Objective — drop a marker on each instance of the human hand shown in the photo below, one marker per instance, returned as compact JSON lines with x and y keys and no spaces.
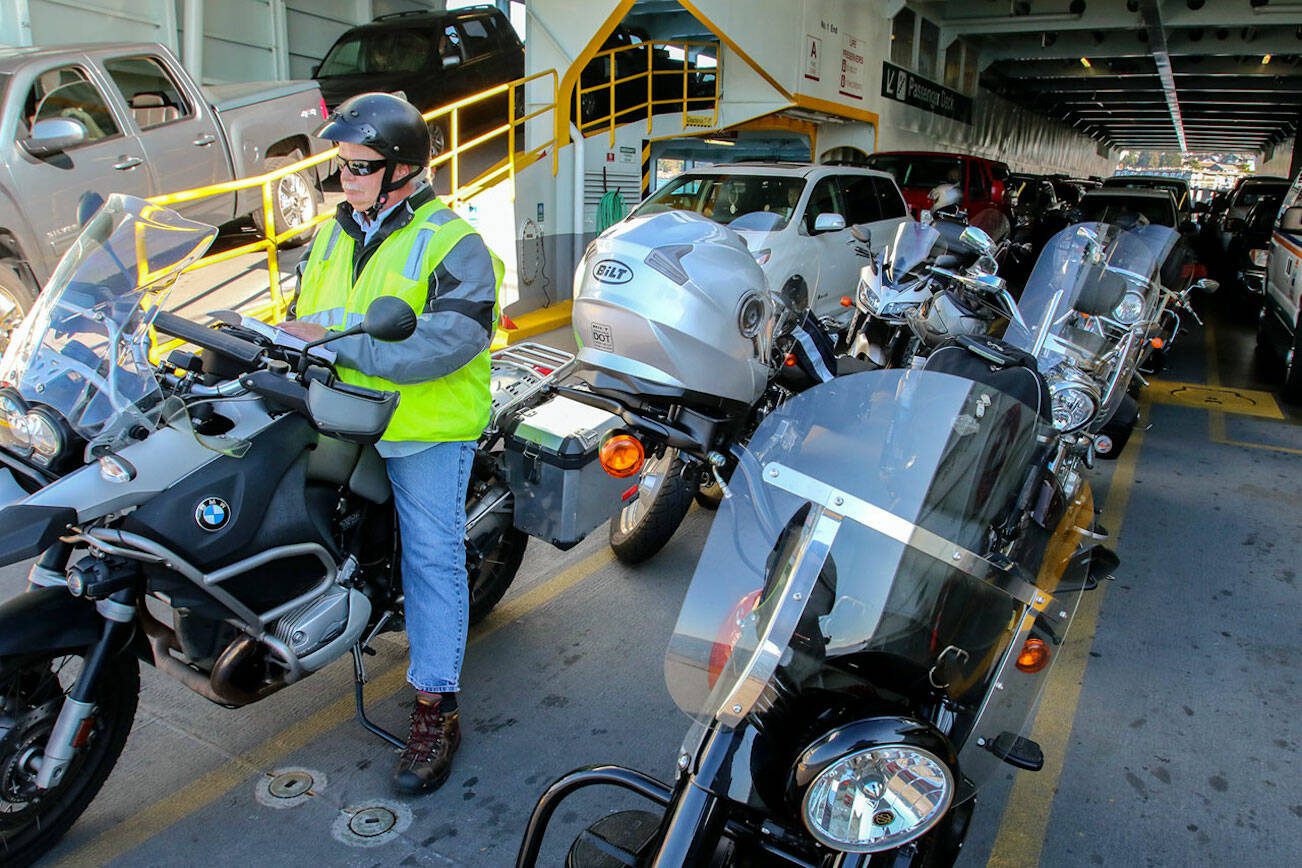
{"x":304,"y":331}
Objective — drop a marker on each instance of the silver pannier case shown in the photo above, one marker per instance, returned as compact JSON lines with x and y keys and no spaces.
{"x":561,"y":492}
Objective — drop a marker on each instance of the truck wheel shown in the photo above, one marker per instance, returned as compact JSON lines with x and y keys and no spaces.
{"x":643,"y":526}
{"x":293,"y":201}
{"x":1291,"y":391}
{"x":16,"y":300}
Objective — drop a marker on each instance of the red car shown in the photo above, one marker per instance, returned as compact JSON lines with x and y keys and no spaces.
{"x":981,"y":180}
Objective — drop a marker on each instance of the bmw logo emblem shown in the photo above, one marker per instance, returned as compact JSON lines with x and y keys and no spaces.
{"x":212,"y":514}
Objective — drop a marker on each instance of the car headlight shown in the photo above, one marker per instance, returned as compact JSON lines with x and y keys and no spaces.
{"x":1129,"y":309}
{"x":13,"y":424}
{"x":878,"y":799}
{"x":45,"y":437}
{"x":1259,"y":257}
{"x":1074,"y":405}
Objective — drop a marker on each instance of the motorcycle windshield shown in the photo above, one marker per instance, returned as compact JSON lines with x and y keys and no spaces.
{"x":910,"y":247}
{"x":1091,"y":284}
{"x":83,"y":350}
{"x":856,"y":526}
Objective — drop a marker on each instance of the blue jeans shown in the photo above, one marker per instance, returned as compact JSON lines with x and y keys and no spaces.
{"x":429,"y":491}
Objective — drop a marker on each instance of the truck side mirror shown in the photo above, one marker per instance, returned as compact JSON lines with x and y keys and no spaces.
{"x":54,"y":136}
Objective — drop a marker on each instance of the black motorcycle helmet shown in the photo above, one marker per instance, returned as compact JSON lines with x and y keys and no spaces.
{"x":388,"y":124}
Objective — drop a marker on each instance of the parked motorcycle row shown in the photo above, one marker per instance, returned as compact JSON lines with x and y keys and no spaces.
{"x":905,"y":522}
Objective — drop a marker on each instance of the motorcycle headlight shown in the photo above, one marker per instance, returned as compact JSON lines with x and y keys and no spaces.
{"x":46,"y":438}
{"x":867,"y":298}
{"x":878,"y":799}
{"x":13,"y":424}
{"x":1074,"y":406}
{"x":1129,"y":309}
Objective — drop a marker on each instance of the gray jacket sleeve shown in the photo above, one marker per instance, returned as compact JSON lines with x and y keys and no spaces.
{"x":456,"y":325}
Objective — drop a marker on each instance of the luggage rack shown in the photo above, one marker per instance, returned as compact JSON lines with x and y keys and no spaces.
{"x":520,"y":371}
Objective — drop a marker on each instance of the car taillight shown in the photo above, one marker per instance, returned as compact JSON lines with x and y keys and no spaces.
{"x":324,"y":113}
{"x":729,"y":633}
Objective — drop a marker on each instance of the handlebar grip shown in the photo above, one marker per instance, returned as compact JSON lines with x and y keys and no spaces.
{"x":240,"y":350}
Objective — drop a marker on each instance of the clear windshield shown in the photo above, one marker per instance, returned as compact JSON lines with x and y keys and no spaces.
{"x":851,"y":546}
{"x":911,"y":246}
{"x":1091,"y":283}
{"x":758,"y":203}
{"x":83,"y":350}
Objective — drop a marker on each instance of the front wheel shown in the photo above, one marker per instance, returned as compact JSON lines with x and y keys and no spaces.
{"x":32,"y":690}
{"x":644,"y":524}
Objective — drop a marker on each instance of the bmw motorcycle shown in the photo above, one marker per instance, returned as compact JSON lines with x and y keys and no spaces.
{"x":237,"y":489}
{"x":863,"y":642}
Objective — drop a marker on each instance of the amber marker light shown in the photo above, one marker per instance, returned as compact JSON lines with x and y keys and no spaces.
{"x":1157,"y":343}
{"x":1034,"y":656}
{"x":846,"y":301}
{"x":621,"y":456}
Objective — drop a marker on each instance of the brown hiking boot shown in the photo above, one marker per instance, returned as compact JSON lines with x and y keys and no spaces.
{"x":426,"y":762}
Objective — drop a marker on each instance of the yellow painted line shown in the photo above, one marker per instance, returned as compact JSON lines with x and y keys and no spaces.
{"x":1025,"y":822}
{"x":193,"y":797}
{"x":1216,"y":419}
{"x":534,"y":323}
{"x":1219,"y":399}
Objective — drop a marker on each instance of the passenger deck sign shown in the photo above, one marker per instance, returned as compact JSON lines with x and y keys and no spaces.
{"x":912,"y":89}
{"x":852,"y":83}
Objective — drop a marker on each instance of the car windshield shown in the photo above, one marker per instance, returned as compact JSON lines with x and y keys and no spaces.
{"x":757,"y":202}
{"x":83,"y":350}
{"x":1121,"y":209}
{"x":377,"y":51}
{"x":919,"y":171}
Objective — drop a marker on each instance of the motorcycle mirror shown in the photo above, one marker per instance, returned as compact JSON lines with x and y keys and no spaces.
{"x":862,"y":233}
{"x":389,"y":318}
{"x":976,"y":239}
{"x":1207,"y":285}
{"x":87,"y":206}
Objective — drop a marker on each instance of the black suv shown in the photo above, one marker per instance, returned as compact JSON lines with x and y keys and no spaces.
{"x":434,"y":58}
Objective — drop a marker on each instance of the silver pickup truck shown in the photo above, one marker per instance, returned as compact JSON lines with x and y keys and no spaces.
{"x":128,"y":118}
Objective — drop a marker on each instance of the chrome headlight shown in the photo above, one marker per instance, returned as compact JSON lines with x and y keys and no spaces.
{"x":13,"y":424}
{"x":878,"y":799}
{"x":1074,"y":405}
{"x":1129,"y":309}
{"x":46,"y":439}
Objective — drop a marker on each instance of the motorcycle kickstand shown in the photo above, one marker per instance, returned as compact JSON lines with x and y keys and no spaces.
{"x":359,"y":682}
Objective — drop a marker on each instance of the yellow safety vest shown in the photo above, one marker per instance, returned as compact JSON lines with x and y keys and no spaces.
{"x":454,"y":407}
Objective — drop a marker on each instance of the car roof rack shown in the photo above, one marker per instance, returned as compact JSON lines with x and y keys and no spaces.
{"x":388,"y":16}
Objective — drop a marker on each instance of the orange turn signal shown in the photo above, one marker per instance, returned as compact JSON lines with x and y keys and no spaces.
{"x":1157,"y":343}
{"x":1034,"y":656}
{"x":846,"y":301}
{"x":790,"y":360}
{"x":622,"y":456}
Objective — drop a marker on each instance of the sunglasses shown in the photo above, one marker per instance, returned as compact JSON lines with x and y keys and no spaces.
{"x":360,"y":167}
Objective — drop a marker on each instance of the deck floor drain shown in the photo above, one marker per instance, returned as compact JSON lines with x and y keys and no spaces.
{"x":288,"y":788}
{"x":371,"y":824}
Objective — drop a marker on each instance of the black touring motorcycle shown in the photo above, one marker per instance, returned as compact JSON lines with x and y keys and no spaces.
{"x":867,"y":631}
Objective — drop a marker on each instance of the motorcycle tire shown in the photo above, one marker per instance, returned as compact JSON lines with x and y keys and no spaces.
{"x":642,"y":526}
{"x":494,"y":572}
{"x":35,"y":684}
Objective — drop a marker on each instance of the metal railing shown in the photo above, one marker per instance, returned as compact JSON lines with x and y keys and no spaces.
{"x":685,"y":96}
{"x":275,"y":309}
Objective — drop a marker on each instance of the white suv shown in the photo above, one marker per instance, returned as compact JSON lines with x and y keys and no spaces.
{"x":1280,"y":327}
{"x":796,"y":219}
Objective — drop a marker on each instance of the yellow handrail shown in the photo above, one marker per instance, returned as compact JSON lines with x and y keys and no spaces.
{"x":608,"y":120}
{"x":276,"y":309}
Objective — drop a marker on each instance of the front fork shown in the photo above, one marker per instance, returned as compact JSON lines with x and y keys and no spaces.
{"x":72,"y":727}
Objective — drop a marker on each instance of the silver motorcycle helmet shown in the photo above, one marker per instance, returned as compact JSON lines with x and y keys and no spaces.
{"x":674,"y":302}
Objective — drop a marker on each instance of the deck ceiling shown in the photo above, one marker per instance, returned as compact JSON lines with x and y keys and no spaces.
{"x":1183,"y":75}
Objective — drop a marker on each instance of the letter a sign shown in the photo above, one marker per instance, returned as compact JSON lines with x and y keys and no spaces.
{"x":813,"y":57}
